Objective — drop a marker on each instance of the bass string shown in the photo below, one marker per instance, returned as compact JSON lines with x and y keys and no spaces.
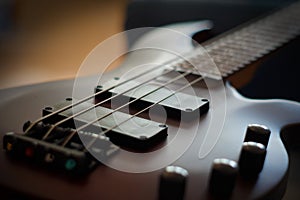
{"x":123,"y":106}
{"x":89,"y":145}
{"x":85,"y":99}
{"x":284,"y":11}
{"x":140,"y":111}
{"x":98,"y":104}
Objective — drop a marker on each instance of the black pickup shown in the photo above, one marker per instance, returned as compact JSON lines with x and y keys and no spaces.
{"x":136,"y":133}
{"x":180,"y":106}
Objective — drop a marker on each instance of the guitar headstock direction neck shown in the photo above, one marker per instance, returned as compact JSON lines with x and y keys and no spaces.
{"x":236,"y":49}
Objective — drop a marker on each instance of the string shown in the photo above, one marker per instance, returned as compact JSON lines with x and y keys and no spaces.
{"x":110,"y":113}
{"x":284,"y":11}
{"x":98,"y":93}
{"x":124,"y":105}
{"x":143,"y":110}
{"x":98,"y":104}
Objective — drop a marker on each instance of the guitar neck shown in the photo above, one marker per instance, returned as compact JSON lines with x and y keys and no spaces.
{"x":237,"y":48}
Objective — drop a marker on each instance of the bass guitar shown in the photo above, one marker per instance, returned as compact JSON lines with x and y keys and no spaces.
{"x":166,"y":124}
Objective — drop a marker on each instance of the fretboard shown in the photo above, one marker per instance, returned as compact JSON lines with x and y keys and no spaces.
{"x":238,"y":48}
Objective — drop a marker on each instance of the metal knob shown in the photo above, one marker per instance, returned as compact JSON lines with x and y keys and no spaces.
{"x":258,"y":133}
{"x":252,"y":159}
{"x":172,"y":183}
{"x":223,"y":177}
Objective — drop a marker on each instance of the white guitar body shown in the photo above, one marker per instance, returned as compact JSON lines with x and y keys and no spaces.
{"x":218,"y":134}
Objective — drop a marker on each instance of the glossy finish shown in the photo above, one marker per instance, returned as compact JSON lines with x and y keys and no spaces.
{"x":258,"y":133}
{"x":232,"y":115}
{"x":223,"y":177}
{"x":252,"y":159}
{"x":172,"y":183}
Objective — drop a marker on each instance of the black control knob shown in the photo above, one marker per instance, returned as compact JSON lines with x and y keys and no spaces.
{"x":258,"y":133}
{"x":252,"y":159}
{"x":172,"y":183}
{"x":223,"y":177}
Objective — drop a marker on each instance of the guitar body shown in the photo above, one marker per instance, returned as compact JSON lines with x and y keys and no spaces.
{"x":218,"y":134}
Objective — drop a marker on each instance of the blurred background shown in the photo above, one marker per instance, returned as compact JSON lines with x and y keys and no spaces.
{"x":46,"y":40}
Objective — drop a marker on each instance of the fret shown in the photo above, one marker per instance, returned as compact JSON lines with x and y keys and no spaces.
{"x":248,"y":41}
{"x":205,"y":68}
{"x":225,"y":64}
{"x":280,"y":29}
{"x":228,"y":66}
{"x":246,"y":45}
{"x":259,"y":38}
{"x":240,"y":50}
{"x":235,"y":50}
{"x":229,"y":59}
{"x":202,"y":62}
{"x":222,"y":65}
{"x":224,"y":69}
{"x":243,"y":49}
{"x":260,"y":48}
{"x":250,"y":45}
{"x":283,"y":26}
